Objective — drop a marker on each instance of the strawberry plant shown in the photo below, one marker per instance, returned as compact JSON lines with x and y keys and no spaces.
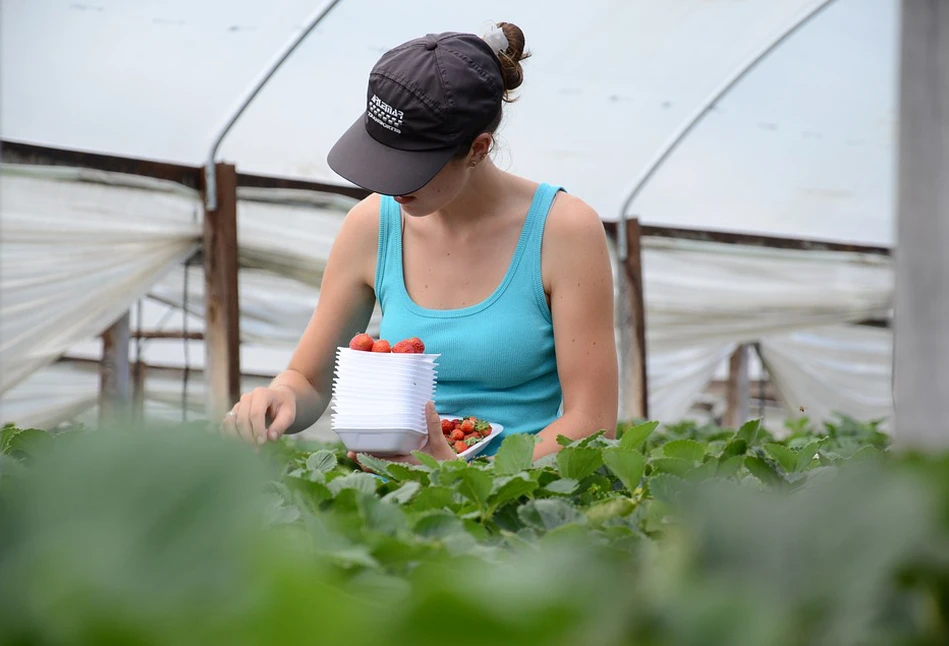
{"x":675,"y":534}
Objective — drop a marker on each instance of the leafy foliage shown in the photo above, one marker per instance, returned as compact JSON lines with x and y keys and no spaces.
{"x":665,"y":535}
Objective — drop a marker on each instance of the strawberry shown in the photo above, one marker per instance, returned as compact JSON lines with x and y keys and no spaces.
{"x":403,"y":347}
{"x":456,"y":435}
{"x":467,"y":426}
{"x":447,"y":426}
{"x":362,"y":342}
{"x":381,"y":346}
{"x":460,"y":447}
{"x":417,"y":344}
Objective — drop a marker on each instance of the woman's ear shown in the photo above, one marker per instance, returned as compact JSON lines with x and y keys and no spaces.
{"x":481,"y":146}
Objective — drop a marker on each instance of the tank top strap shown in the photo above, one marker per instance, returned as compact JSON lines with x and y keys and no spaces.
{"x":536,"y":221}
{"x":388,"y":256}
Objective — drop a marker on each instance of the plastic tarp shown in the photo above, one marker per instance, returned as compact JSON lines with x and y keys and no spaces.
{"x":77,"y":248}
{"x":703,"y":299}
{"x":801,"y":146}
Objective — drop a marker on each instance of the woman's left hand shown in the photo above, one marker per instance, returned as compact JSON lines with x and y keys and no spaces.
{"x":437,"y":445}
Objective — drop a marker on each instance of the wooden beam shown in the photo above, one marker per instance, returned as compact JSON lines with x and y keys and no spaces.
{"x":168,"y":334}
{"x":222,"y":311}
{"x":753,"y":240}
{"x":631,"y":323}
{"x":736,"y":392}
{"x":921,"y":344}
{"x":17,"y":152}
{"x":114,"y":392}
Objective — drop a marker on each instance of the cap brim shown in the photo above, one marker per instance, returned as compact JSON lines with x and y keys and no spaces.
{"x":382,"y":169}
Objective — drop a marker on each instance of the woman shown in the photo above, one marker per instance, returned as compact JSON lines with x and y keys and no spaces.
{"x":509,"y":280}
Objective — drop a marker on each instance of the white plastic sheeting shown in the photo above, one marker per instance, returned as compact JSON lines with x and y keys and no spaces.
{"x":834,"y":369}
{"x":703,"y":299}
{"x":75,"y":254}
{"x":802,"y":146}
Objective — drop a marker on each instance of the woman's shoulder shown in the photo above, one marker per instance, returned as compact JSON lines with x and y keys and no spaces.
{"x":570,"y":216}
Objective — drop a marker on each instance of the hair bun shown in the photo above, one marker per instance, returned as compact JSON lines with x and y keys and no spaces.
{"x":511,"y":58}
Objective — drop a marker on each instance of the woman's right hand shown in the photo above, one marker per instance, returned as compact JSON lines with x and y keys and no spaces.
{"x":262,"y":414}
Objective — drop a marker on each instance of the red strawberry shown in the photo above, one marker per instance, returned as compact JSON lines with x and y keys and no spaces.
{"x":404,"y":347}
{"x":447,"y":426}
{"x":362,"y":342}
{"x":456,"y":435}
{"x":467,"y":426}
{"x":417,"y":344}
{"x":381,"y":346}
{"x":461,"y":447}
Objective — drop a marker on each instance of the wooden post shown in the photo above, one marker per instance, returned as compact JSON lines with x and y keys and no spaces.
{"x":222,"y":312}
{"x":139,"y":372}
{"x":114,"y":392}
{"x":736,"y":394}
{"x":631,"y":321}
{"x":921,"y":345}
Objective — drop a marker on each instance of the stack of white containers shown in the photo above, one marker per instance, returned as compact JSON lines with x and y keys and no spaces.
{"x":379,"y":400}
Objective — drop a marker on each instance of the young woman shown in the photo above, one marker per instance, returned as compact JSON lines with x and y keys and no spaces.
{"x":508,"y":279}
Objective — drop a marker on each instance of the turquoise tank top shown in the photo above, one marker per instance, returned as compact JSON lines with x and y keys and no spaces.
{"x":497,"y":357}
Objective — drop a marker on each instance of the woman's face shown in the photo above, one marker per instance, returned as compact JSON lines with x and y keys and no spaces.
{"x":448,"y":184}
{"x":440,"y":191}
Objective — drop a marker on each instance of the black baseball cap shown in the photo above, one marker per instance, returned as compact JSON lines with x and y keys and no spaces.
{"x":426,"y":98}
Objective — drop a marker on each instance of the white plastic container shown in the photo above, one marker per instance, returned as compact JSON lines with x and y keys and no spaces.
{"x":382,"y":441}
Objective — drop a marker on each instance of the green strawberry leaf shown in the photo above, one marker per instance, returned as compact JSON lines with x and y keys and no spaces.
{"x":426,"y":460}
{"x":322,"y":461}
{"x":363,"y":482}
{"x":578,"y":463}
{"x":784,"y":456}
{"x":403,"y":494}
{"x":548,"y":513}
{"x":634,"y":437}
{"x":627,"y":465}
{"x":563,"y":486}
{"x":515,"y":454}
{"x":685,"y":449}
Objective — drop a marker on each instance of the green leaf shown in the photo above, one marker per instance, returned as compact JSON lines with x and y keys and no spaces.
{"x":634,"y":437}
{"x":381,"y":517}
{"x":403,"y":494}
{"x":563,"y":440}
{"x":25,"y":442}
{"x":439,"y":525}
{"x":548,"y":513}
{"x":511,"y":487}
{"x":362,"y":482}
{"x":426,"y":459}
{"x":627,"y":465}
{"x":704,"y":471}
{"x":665,"y":487}
{"x":578,"y":463}
{"x":433,"y":498}
{"x":474,"y":484}
{"x":783,"y":455}
{"x":729,"y":467}
{"x":615,"y":508}
{"x":736,"y":447}
{"x":377,"y":465}
{"x":515,"y":454}
{"x":322,"y":461}
{"x":762,"y":470}
{"x":563,"y":486}
{"x":689,"y":450}
{"x":403,"y":472}
{"x":749,"y":431}
{"x":675,"y":466}
{"x":806,"y":455}
{"x":591,"y":441}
